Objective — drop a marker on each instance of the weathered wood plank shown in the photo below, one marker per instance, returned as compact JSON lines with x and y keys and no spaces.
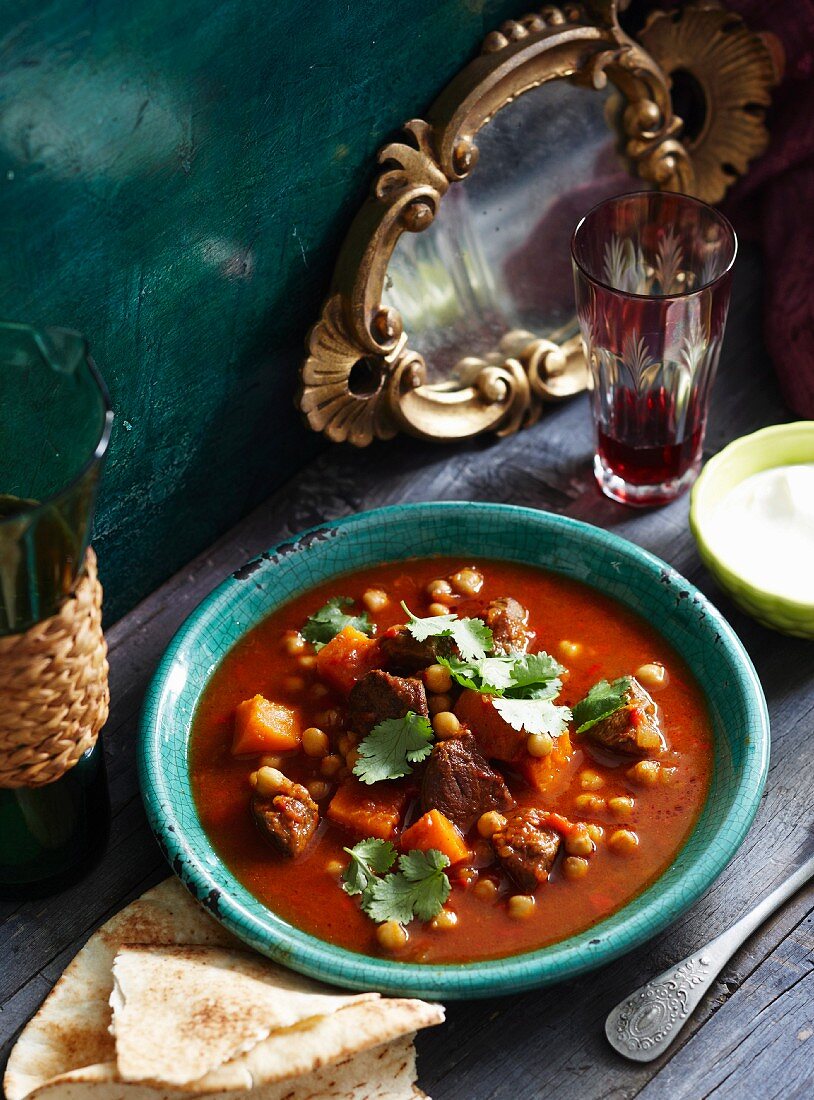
{"x":549,"y":1042}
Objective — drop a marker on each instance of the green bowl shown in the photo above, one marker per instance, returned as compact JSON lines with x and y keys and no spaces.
{"x":780,"y":445}
{"x":588,"y":554}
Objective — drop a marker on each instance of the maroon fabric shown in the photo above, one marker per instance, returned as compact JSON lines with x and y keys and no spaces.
{"x":774,"y":202}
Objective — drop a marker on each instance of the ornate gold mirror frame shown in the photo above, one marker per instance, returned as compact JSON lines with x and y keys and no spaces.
{"x":361,"y":381}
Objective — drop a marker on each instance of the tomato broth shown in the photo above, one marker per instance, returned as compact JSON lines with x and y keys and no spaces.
{"x":592,"y":635}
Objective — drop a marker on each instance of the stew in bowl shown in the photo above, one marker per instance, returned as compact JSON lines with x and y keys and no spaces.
{"x":454,"y":773}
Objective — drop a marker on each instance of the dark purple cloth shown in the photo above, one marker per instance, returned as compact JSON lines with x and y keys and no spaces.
{"x":774,"y":202}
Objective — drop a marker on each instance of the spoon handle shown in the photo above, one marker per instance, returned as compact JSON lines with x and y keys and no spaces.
{"x":643,"y":1025}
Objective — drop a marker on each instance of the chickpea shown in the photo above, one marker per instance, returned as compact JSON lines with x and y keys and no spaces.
{"x":351,"y":758}
{"x":652,"y":676}
{"x":595,"y":832}
{"x":446,"y":725}
{"x":437,"y":703}
{"x":335,"y":868}
{"x":391,"y":936}
{"x":490,"y":823}
{"x":309,"y":662}
{"x":318,"y":789}
{"x":667,"y":775}
{"x":268,"y":761}
{"x":314,"y":741}
{"x":293,"y":684}
{"x":467,"y":581}
{"x":591,"y":803}
{"x":439,"y":590}
{"x":437,"y":679}
{"x":590,"y":781}
{"x":444,"y":920}
{"x":521,"y":906}
{"x":344,"y":744}
{"x":649,"y":739}
{"x":578,"y":842}
{"x":436,"y":609}
{"x":467,"y":876}
{"x":539,"y":744}
{"x":268,"y":781}
{"x":646,"y":773}
{"x":569,"y":650}
{"x":485,"y":889}
{"x":294,"y":643}
{"x":623,"y":841}
{"x":621,"y":806}
{"x":319,"y":691}
{"x":330,"y":765}
{"x":329,"y":718}
{"x":375,"y":600}
{"x":574,"y":867}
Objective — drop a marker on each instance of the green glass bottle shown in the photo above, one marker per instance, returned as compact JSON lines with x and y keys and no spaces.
{"x":51,"y":836}
{"x":55,"y":427}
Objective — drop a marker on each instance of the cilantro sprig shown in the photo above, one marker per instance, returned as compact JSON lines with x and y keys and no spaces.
{"x":392,"y":747}
{"x":601,"y":701}
{"x":472,"y":636}
{"x":522,"y":687}
{"x":518,"y":676}
{"x":326,"y":623}
{"x":418,"y":888}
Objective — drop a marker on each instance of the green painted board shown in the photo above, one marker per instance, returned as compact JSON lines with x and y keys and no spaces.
{"x":175,"y":180}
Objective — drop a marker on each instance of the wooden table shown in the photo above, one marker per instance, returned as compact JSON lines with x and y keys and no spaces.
{"x":753,"y":1037}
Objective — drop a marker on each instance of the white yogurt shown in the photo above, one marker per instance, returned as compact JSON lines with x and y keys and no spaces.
{"x":763,"y":530}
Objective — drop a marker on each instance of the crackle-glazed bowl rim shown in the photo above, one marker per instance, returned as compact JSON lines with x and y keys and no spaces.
{"x":603,"y":560}
{"x":767,"y":449}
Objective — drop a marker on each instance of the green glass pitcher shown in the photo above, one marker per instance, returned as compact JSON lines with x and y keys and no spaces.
{"x":55,"y":425}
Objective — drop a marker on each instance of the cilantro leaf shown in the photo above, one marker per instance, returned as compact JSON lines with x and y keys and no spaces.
{"x":489,"y":676}
{"x":326,"y":623}
{"x":368,"y":859}
{"x":533,"y":715}
{"x":418,"y":889}
{"x":392,"y":746}
{"x":526,"y":676}
{"x":472,"y":636}
{"x":601,"y":701}
{"x":535,"y":668}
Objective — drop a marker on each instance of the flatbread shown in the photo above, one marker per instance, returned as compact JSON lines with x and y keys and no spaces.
{"x":181,"y":1012}
{"x":382,"y":1073}
{"x":322,"y":1041}
{"x":360,"y":1051}
{"x":70,"y":1030}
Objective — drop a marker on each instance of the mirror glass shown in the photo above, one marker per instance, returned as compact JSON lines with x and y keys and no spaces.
{"x":496,"y":259}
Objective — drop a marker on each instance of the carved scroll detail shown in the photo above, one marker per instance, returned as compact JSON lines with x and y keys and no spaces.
{"x":361,"y":381}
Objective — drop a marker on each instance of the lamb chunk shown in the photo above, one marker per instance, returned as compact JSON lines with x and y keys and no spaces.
{"x":284,"y":811}
{"x":403,"y":654}
{"x":526,"y":848}
{"x":634,"y":730}
{"x":459,"y":782}
{"x":378,"y":696}
{"x":506,"y":618}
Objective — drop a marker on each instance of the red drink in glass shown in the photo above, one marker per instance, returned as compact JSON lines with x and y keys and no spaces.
{"x":652,"y":273}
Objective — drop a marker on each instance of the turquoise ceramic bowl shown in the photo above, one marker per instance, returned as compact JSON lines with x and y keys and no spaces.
{"x":779,"y":445}
{"x":577,"y":550}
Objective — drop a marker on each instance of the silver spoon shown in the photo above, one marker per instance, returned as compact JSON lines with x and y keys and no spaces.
{"x":645,"y":1023}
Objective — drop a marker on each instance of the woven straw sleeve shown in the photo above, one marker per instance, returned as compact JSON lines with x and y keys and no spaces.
{"x":53,"y":687}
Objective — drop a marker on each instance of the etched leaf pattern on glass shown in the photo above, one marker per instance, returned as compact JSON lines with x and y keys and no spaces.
{"x":625,"y":267}
{"x":668,"y":263}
